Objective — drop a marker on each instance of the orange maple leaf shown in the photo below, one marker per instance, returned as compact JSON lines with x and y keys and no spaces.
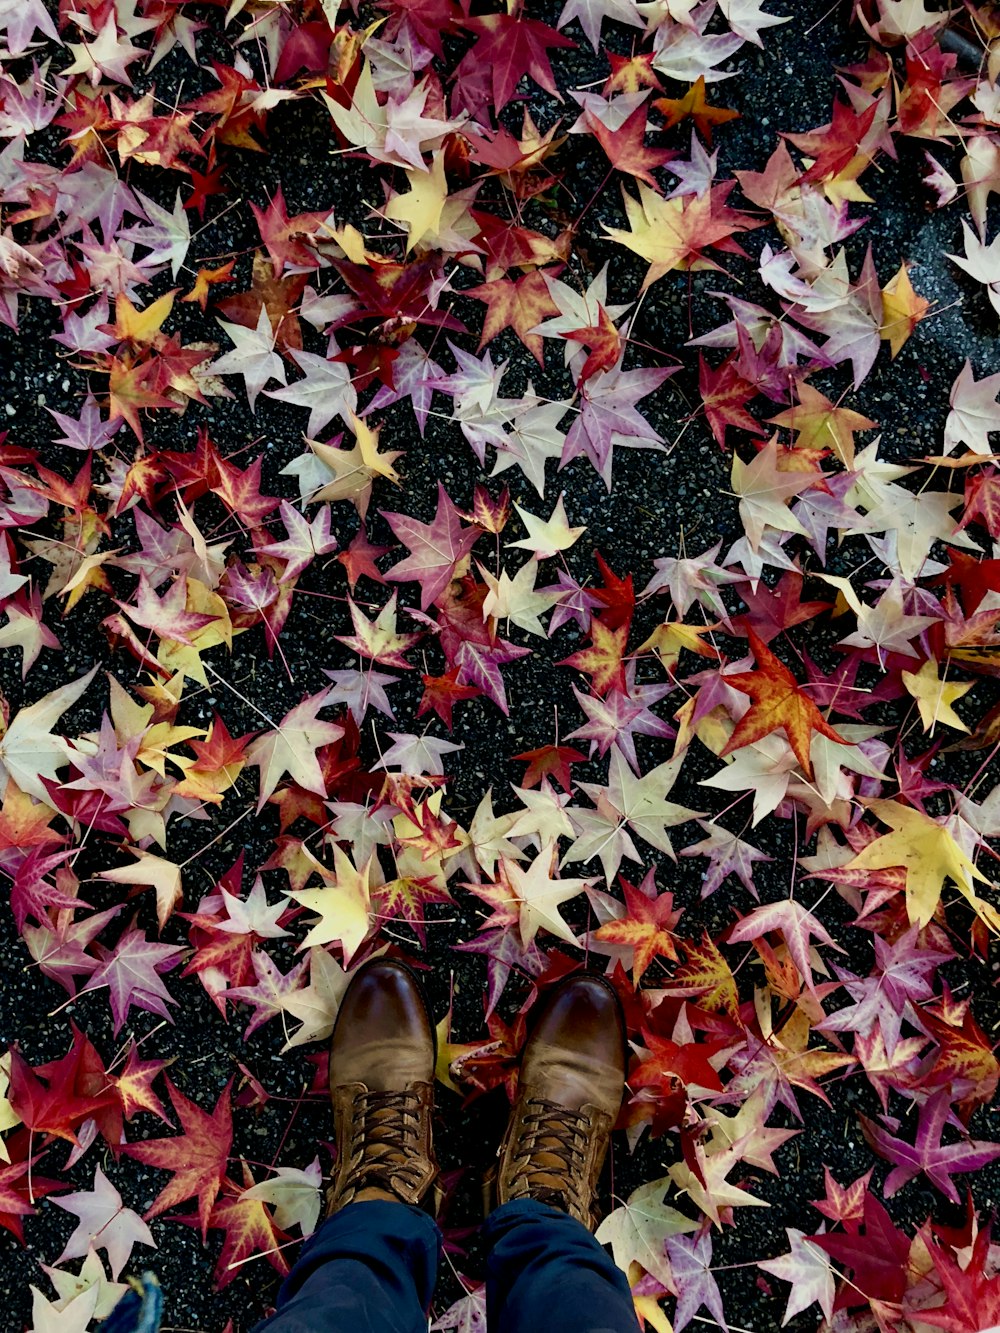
{"x":646,"y":928}
{"x":693,"y":105}
{"x":204,"y":279}
{"x":602,"y":660}
{"x":777,"y":703}
{"x":25,"y":822}
{"x":517,"y":305}
{"x":706,"y":973}
{"x":130,"y":389}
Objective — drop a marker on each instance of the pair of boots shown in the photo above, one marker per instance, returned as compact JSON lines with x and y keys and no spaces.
{"x":570,"y":1089}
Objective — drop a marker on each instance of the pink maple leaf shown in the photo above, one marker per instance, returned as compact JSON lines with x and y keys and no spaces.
{"x":798,"y":928}
{"x":938,"y":1161}
{"x":435,"y":548}
{"x":131,"y":971}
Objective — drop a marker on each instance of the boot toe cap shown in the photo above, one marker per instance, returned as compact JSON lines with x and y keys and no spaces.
{"x":383,"y":1035}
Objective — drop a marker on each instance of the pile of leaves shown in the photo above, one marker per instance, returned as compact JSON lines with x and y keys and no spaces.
{"x":804,"y":700}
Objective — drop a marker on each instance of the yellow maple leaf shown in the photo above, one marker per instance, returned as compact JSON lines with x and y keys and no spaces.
{"x":142,"y":326}
{"x":929,"y":855}
{"x":186,"y":657}
{"x":537,"y":896}
{"x":648,"y":1308}
{"x":450,"y":1055}
{"x":713,"y":730}
{"x":935,"y":696}
{"x":669,"y":233}
{"x":547,"y":537}
{"x":902,"y":310}
{"x":844,"y":186}
{"x":819,"y":423}
{"x":667,"y":640}
{"x":354,"y":469}
{"x":151,"y":872}
{"x":708,"y":976}
{"x":342,"y":905}
{"x":636,"y":1231}
{"x":419,"y":210}
{"x":8,"y":1116}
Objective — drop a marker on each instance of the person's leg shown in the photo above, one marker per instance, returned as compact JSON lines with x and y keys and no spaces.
{"x":545,"y":1271}
{"x":370,"y":1268}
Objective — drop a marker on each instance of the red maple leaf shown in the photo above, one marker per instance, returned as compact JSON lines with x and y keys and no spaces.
{"x":773,"y":610}
{"x":604,"y":343}
{"x":191,"y":472}
{"x":20,"y":1186}
{"x":371,"y":361}
{"x":359,"y":558}
{"x":507,"y":47}
{"x":205,"y":184}
{"x":973,"y":578}
{"x":550,"y":761}
{"x":240,"y":491}
{"x":435,"y":548}
{"x":219,"y":749}
{"x":250,"y":1231}
{"x":834,"y":145}
{"x":877,"y":1257}
{"x":509,"y":245}
{"x":626,"y":147}
{"x":778,"y":703}
{"x":496,"y":1063}
{"x":616,"y":595}
{"x":307,"y":47}
{"x":982,"y":500}
{"x":442,"y":693}
{"x":724,"y":395}
{"x":56,"y":1098}
{"x":396,"y":293}
{"x":198,"y":1156}
{"x":973,"y":1299}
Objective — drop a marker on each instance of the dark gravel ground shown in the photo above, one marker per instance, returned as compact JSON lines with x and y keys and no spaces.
{"x":658,"y":502}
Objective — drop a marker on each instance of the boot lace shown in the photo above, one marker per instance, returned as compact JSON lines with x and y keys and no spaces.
{"x":385,"y":1141}
{"x":551,"y":1158}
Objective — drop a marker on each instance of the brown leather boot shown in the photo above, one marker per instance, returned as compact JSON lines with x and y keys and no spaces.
{"x":382,"y":1086}
{"x":569,"y":1094}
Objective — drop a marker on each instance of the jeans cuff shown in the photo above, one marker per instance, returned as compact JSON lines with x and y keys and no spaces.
{"x":510,"y":1212}
{"x":388,"y":1217}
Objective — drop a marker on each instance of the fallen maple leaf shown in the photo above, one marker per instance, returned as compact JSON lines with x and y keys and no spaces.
{"x":198,"y":1156}
{"x":291,"y":748}
{"x":778,"y":702}
{"x":28,"y":750}
{"x":929,"y":854}
{"x":154,"y":872}
{"x":927,"y":1154}
{"x":103,"y":1223}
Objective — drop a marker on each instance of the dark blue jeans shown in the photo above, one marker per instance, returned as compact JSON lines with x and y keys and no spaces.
{"x":371,"y":1269}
